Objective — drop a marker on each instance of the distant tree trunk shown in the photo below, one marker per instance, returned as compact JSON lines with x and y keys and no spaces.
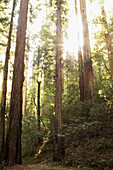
{"x":13,"y":138}
{"x":38,"y":107}
{"x":25,"y":82}
{"x":25,"y":87}
{"x":67,"y":67}
{"x":4,"y":88}
{"x":58,"y":150}
{"x":80,"y":58}
{"x":108,"y":41}
{"x":88,"y":70}
{"x":81,"y":75}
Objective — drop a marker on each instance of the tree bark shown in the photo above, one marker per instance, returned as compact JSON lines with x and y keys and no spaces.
{"x":13,"y":138}
{"x":88,"y":69}
{"x":4,"y":88}
{"x":25,"y":90}
{"x":25,"y":85}
{"x":58,"y":150}
{"x":81,"y":75}
{"x":80,"y":58}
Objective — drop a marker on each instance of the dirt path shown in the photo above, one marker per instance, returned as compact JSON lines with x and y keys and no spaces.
{"x":37,"y":167}
{"x":26,"y":167}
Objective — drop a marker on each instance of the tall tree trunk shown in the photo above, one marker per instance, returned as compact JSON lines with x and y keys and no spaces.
{"x":58,"y":150}
{"x":88,"y":70}
{"x":81,"y":75}
{"x":25,"y":86}
{"x":13,"y":138}
{"x":108,"y":41}
{"x":4,"y":88}
{"x":26,"y":75}
{"x":80,"y":58}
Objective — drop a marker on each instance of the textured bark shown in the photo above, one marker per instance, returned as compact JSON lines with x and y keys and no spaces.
{"x":88,"y":81}
{"x":13,"y":138}
{"x":86,"y":46}
{"x":81,"y":75}
{"x":88,"y":70}
{"x":108,"y":42}
{"x":4,"y":88}
{"x":58,"y":150}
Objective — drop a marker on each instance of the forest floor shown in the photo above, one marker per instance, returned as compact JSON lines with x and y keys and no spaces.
{"x":39,"y":167}
{"x":88,"y":145}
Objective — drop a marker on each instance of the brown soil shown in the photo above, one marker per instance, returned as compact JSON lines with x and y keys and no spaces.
{"x":37,"y":167}
{"x":29,"y":167}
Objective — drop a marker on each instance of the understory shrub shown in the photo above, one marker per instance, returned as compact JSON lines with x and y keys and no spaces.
{"x":32,"y":137}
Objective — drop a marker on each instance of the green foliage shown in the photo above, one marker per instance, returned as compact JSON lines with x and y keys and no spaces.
{"x":4,"y":22}
{"x":33,"y":10}
{"x":88,"y":131}
{"x":87,"y":120}
{"x":70,"y":95}
{"x":100,"y":57}
{"x":101,"y":164}
{"x":64,"y":12}
{"x":83,"y":122}
{"x":102,"y":145}
{"x":2,"y":165}
{"x":31,"y":136}
{"x":1,"y":65}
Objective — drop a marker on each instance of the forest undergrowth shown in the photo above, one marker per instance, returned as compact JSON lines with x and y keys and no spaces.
{"x":87,"y":134}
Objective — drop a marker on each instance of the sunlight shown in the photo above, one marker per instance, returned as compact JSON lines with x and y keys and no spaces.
{"x":71,"y":43}
{"x":74,"y":32}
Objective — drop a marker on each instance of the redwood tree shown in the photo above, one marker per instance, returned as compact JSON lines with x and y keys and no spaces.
{"x":4,"y":88}
{"x":58,"y":150}
{"x":13,"y":138}
{"x":88,"y":69}
{"x":80,"y":58}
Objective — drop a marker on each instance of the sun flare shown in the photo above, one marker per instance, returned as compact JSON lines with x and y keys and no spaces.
{"x":74,"y":32}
